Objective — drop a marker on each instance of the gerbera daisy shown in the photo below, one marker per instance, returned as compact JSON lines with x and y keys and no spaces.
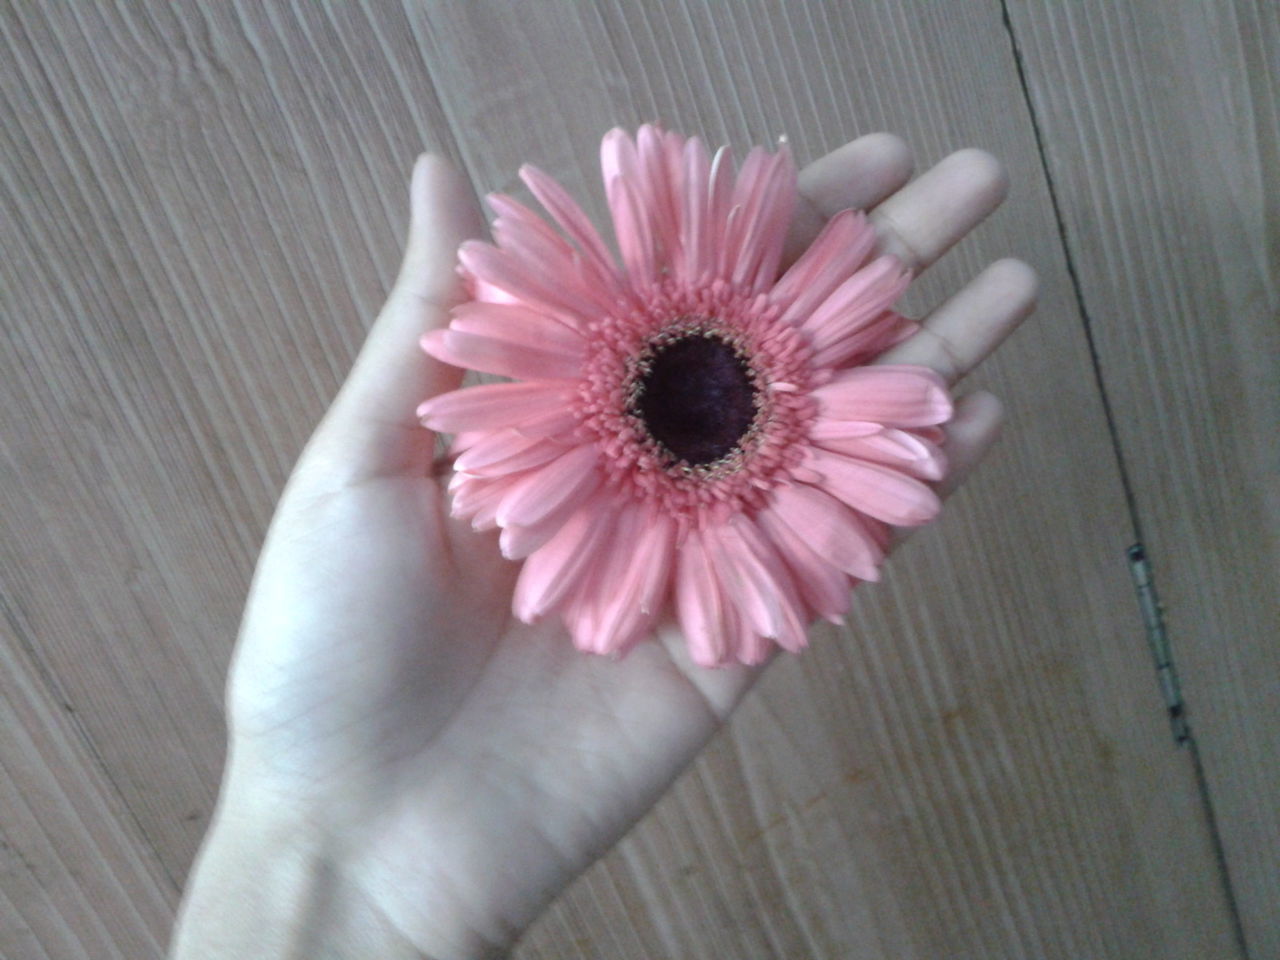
{"x":690,"y":431}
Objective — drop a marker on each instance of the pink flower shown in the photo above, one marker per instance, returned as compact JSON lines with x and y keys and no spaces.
{"x":689,"y":432}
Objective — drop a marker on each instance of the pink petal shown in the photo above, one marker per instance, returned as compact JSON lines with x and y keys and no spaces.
{"x":673,"y":145}
{"x":876,"y":490}
{"x":595,"y":619}
{"x":898,"y":448}
{"x":641,"y":566}
{"x":839,"y":249}
{"x":745,"y":645}
{"x":571,"y":218}
{"x":504,"y":452}
{"x":466,"y":439}
{"x":494,"y":405}
{"x":500,"y":357}
{"x":485,"y":292}
{"x":743,"y":583}
{"x":618,"y":156}
{"x":856,"y":302}
{"x":477,"y":498}
{"x":879,"y":531}
{"x":517,"y":541}
{"x":625,"y":190}
{"x":554,"y":569}
{"x":765,"y":224}
{"x":526,"y":235}
{"x":484,"y":510}
{"x":583,"y":609}
{"x":756,"y":581}
{"x":521,"y":231}
{"x":829,"y":529}
{"x":518,"y":325}
{"x":793,"y":626}
{"x":823,"y":429}
{"x":699,"y":605}
{"x":654,"y":553}
{"x":558,"y":424}
{"x":542,"y":490}
{"x":745,"y":198}
{"x":433,"y":344}
{"x":694,"y":230}
{"x":880,"y":333}
{"x":891,"y":394}
{"x":637,"y":575}
{"x":487,"y":355}
{"x":574,"y":303}
{"x":580,"y":611}
{"x":634,"y":234}
{"x":719,"y":197}
{"x":658,"y":193}
{"x":779,"y":213}
{"x":623,"y":641}
{"x":824,"y":587}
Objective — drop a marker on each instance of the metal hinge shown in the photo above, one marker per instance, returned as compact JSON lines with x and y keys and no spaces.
{"x":1158,"y":641}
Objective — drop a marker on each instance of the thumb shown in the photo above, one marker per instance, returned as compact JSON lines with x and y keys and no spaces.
{"x":372,"y":429}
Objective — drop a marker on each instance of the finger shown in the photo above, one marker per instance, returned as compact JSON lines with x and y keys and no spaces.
{"x":392,"y":375}
{"x":858,"y":175}
{"x":371,"y":429}
{"x":924,"y":219}
{"x":959,"y":334}
{"x":971,"y":434}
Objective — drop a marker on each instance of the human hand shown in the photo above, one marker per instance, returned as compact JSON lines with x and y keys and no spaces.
{"x":445,"y":768}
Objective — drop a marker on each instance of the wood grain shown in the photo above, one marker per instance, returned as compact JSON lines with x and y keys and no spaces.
{"x":1162,"y":129}
{"x":187,"y":212}
{"x":202,"y":206}
{"x":76,"y":879}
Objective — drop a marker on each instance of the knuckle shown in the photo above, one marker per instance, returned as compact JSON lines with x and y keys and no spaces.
{"x":947,"y":360}
{"x":896,"y":240}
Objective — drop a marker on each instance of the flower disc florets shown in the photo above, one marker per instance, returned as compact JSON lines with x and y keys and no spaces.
{"x":617,"y":391}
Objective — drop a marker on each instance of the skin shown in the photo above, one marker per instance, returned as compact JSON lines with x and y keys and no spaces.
{"x":414,"y":773}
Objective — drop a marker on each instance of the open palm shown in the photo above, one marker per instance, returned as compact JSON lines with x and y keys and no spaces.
{"x":468,"y":765}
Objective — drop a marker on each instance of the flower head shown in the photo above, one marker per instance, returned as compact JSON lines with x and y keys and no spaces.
{"x":687,"y":431}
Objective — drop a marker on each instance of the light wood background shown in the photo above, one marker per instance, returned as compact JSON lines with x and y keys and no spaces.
{"x":203,"y":204}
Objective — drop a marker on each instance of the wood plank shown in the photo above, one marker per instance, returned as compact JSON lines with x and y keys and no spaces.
{"x":194,"y":200}
{"x":987,"y":773}
{"x":75,"y":879}
{"x":1162,"y":127}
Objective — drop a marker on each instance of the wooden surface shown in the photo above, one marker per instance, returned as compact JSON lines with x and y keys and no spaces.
{"x":1173,"y":224}
{"x":202,"y":207}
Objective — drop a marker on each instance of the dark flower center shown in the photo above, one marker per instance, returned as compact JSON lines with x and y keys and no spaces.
{"x":696,"y":398}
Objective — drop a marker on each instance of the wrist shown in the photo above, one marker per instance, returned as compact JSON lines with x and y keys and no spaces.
{"x":269,"y":884}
